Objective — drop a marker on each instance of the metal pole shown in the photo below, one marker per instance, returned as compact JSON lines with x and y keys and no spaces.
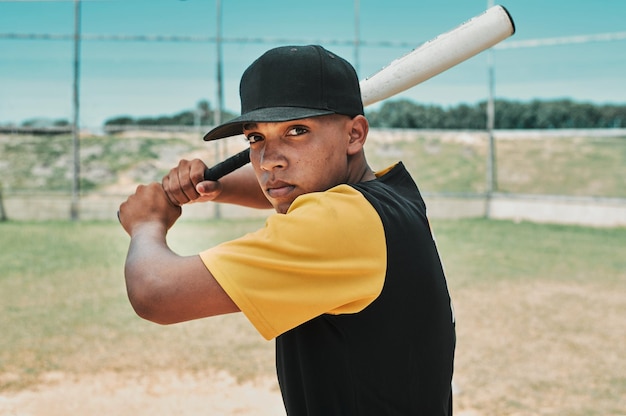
{"x":218,"y":44}
{"x":74,"y":210}
{"x":220,"y":93}
{"x":357,"y":34}
{"x":492,"y":184}
{"x":3,"y":214}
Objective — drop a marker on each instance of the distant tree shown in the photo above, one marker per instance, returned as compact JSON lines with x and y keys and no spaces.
{"x":507,"y":114}
{"x":403,"y":113}
{"x":204,"y":112}
{"x":183,"y":118}
{"x":61,"y":123}
{"x":612,"y":116}
{"x":120,"y":121}
{"x":465,"y":116}
{"x":398,"y":114}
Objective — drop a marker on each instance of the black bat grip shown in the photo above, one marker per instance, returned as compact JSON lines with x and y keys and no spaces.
{"x":227,"y":166}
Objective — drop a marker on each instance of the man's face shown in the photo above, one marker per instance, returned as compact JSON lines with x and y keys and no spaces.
{"x":293,"y":158}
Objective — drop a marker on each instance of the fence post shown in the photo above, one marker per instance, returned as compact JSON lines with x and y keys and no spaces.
{"x":3,"y":214}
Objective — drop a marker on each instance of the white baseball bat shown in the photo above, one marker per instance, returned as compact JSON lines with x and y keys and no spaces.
{"x":439,"y":54}
{"x":431,"y":58}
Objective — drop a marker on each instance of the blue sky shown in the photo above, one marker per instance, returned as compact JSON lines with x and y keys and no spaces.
{"x":155,"y":78}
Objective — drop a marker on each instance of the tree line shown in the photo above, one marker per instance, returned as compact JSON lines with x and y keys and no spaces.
{"x":202,"y":115}
{"x":536,"y":114}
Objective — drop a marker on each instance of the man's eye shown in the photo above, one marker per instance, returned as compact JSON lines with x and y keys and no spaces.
{"x":297,"y":131}
{"x":253,"y":138}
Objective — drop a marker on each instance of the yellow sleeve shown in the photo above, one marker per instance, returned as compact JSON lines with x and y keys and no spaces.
{"x":326,"y":255}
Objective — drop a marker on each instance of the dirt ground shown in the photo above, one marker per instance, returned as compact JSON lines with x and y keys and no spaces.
{"x":543,"y":348}
{"x":159,"y":394}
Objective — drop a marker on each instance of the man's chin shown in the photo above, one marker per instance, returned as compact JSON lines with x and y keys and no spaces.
{"x":281,"y":207}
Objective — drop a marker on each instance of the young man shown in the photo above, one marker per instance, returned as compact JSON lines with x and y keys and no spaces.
{"x":346,"y":275}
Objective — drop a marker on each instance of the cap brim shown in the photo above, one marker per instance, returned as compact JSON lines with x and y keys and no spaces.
{"x":264,"y":115}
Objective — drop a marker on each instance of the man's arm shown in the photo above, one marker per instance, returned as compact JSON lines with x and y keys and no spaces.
{"x":185,"y":183}
{"x":162,"y":286}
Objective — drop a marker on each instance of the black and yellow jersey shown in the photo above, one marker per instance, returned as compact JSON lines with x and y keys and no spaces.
{"x":350,"y":283}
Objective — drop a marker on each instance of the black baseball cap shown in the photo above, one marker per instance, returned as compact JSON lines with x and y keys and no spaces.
{"x":294,"y":82}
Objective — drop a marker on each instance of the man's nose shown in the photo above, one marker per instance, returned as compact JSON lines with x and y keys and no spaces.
{"x":271,"y":156}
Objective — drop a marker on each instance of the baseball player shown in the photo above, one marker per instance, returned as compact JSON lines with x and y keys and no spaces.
{"x":345,"y":275}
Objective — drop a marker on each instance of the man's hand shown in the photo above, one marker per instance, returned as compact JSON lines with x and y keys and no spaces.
{"x":149,"y":204}
{"x":185,"y":183}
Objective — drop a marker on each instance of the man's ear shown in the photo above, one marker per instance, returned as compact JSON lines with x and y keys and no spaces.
{"x":359,"y":127}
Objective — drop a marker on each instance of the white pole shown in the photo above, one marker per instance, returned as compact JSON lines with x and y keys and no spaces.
{"x":491,"y":154}
{"x":217,"y":213}
{"x":357,"y":34}
{"x":74,"y":211}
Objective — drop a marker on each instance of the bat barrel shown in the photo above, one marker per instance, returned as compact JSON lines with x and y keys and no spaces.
{"x":439,"y":54}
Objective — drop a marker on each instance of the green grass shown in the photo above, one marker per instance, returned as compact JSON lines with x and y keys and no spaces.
{"x":437,"y":165}
{"x":555,"y":166}
{"x":45,"y":163}
{"x":440,"y":162}
{"x":481,"y":251}
{"x":63,"y":305}
{"x":539,"y":312}
{"x":564,"y":166}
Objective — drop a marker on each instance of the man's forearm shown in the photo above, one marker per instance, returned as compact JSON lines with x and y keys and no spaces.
{"x":166,"y":288}
{"x":147,"y":264}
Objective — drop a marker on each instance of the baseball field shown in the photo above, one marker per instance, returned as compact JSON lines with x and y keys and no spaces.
{"x":540,"y":322}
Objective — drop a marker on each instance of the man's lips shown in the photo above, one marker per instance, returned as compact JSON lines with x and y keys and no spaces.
{"x":278,"y":189}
